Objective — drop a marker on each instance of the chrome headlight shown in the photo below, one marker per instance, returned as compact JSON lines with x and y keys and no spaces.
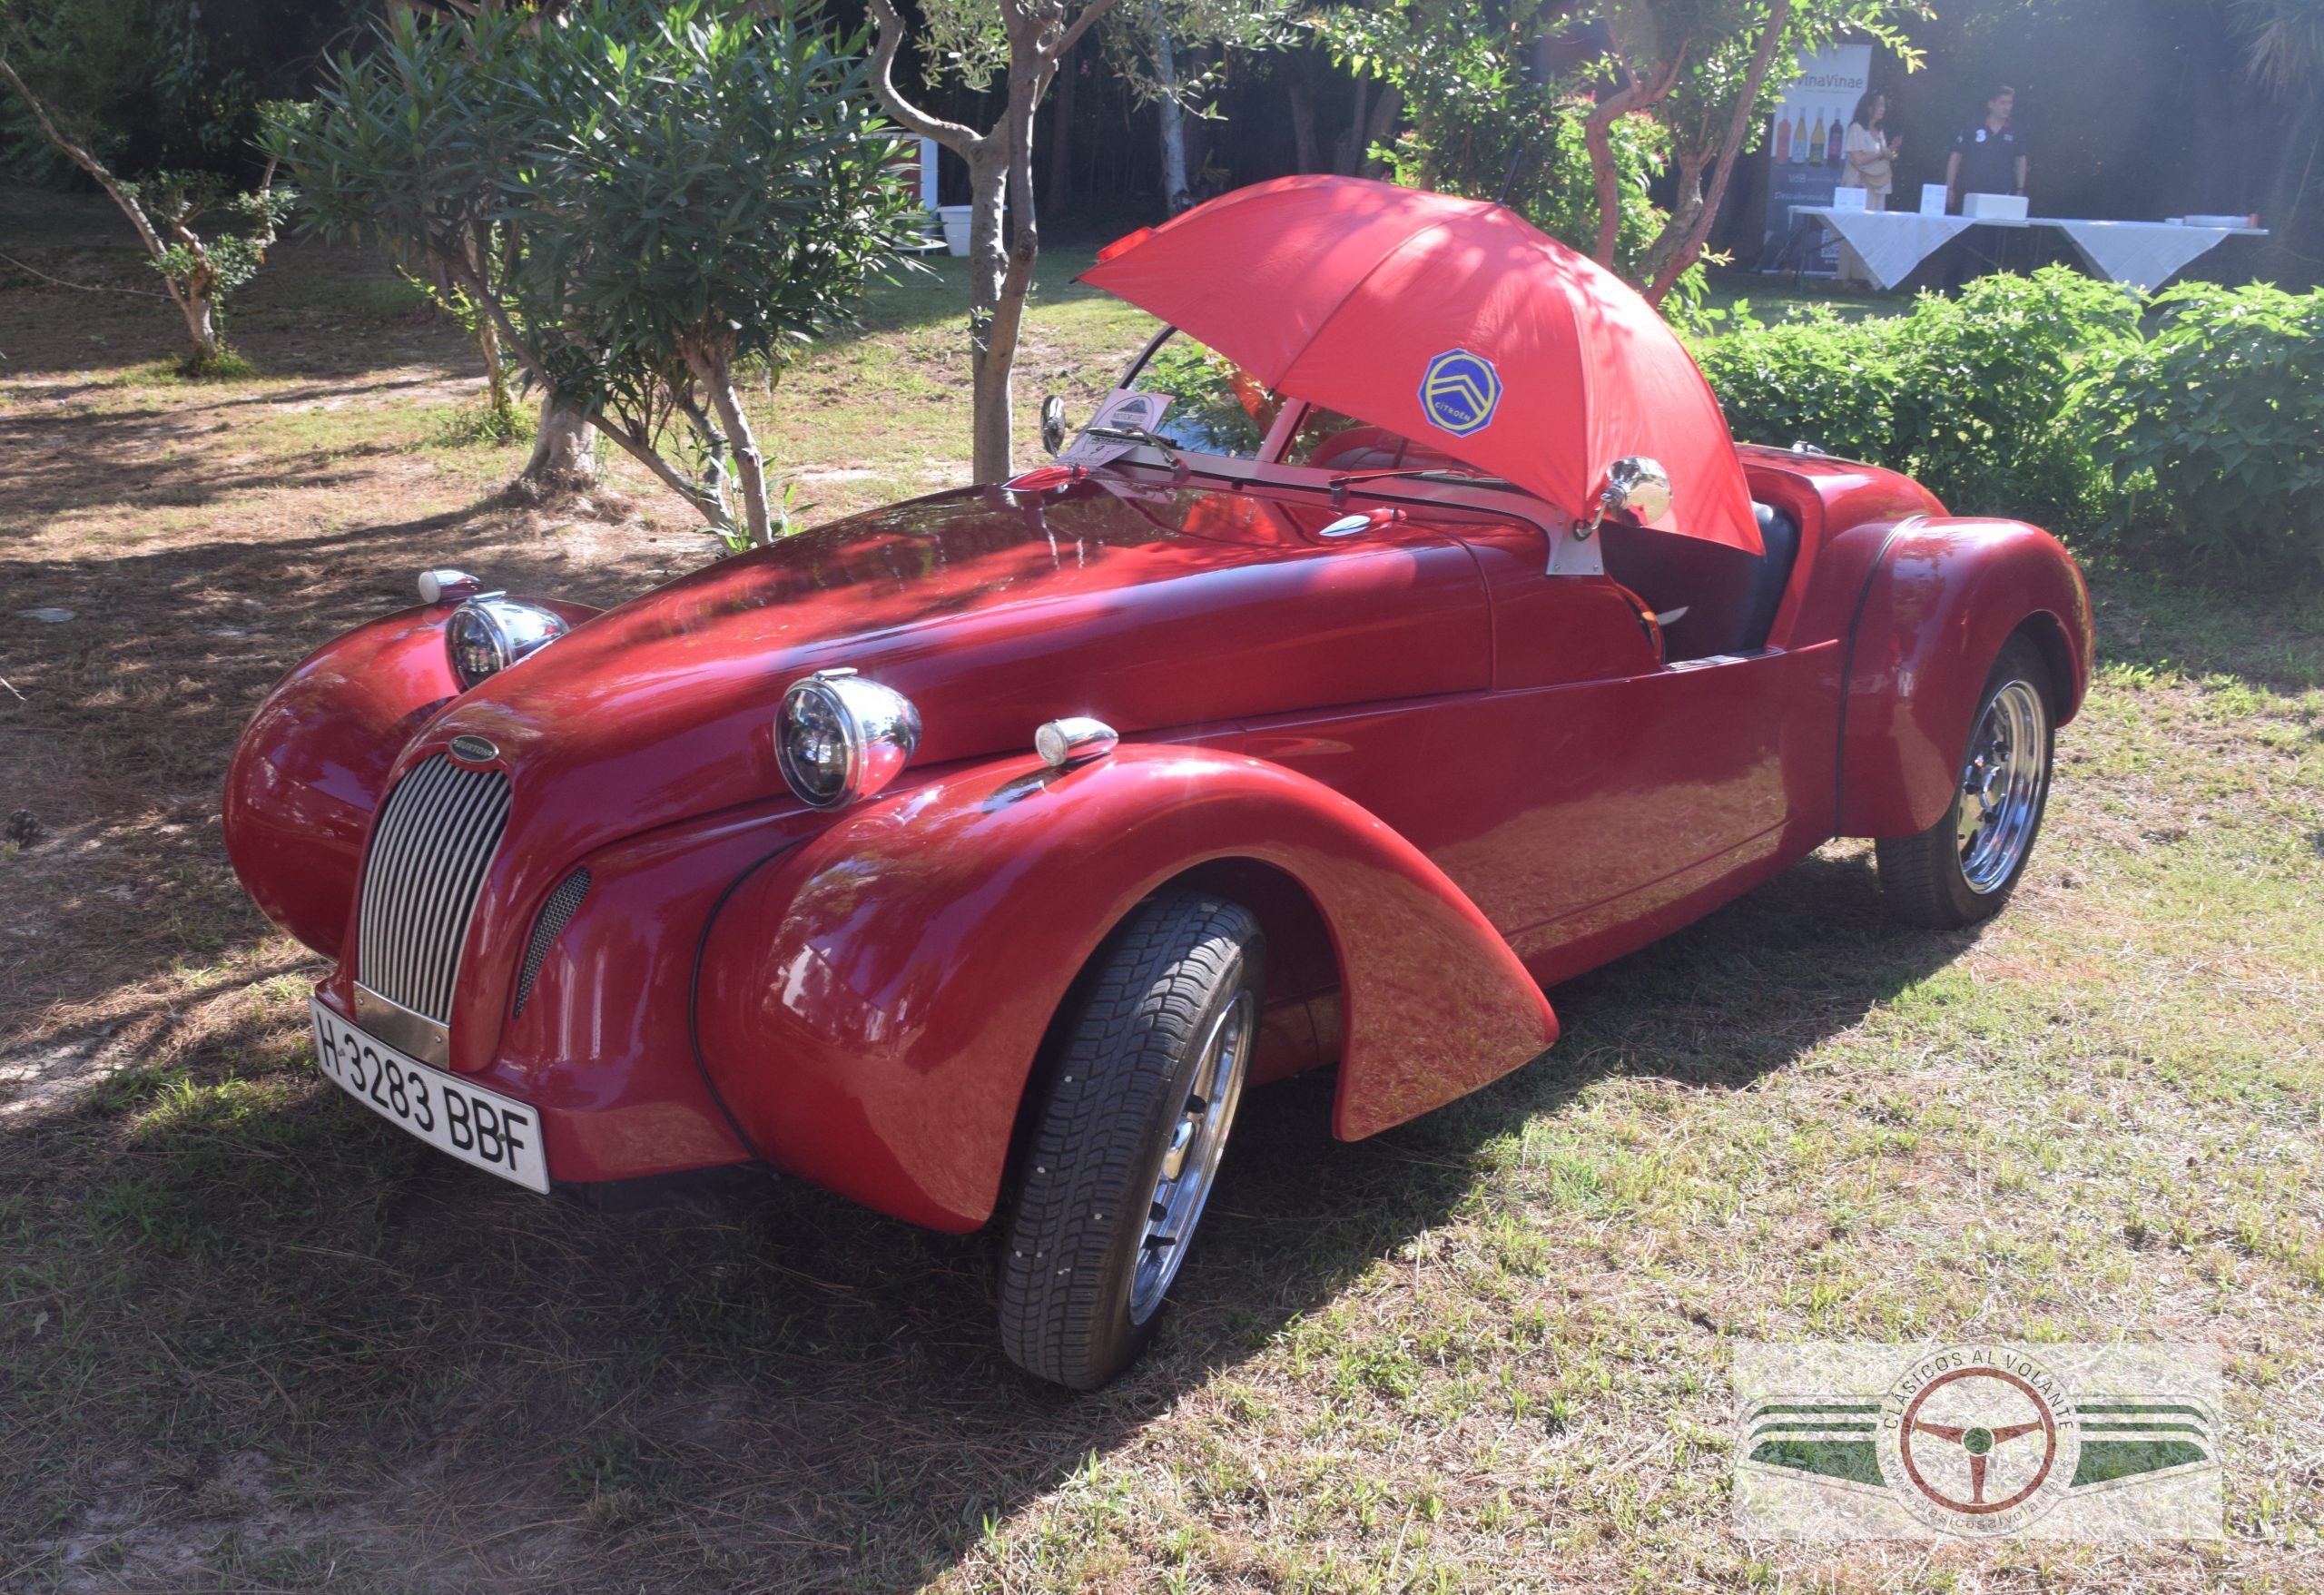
{"x":489,"y":633}
{"x":841,"y":737}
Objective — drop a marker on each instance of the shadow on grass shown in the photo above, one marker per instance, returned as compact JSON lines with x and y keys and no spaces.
{"x":772,"y":1390}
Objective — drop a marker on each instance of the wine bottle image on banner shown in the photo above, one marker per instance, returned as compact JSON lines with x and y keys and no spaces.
{"x":1799,"y":141}
{"x":1836,"y":145}
{"x":1815,"y":142}
{"x":1783,"y":138}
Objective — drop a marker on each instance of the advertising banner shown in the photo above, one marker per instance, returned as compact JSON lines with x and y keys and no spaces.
{"x":1805,"y":150}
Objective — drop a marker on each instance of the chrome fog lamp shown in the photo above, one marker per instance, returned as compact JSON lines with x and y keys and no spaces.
{"x":489,"y":633}
{"x":841,"y":737}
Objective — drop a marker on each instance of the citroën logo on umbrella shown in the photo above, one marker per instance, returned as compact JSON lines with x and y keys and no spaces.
{"x":1461,"y":392}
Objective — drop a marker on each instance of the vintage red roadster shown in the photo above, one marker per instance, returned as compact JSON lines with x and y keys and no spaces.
{"x":1405,"y":636}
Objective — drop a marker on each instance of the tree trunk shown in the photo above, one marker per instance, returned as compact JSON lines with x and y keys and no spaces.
{"x":714,"y":369}
{"x":1377,"y":127}
{"x":1174,"y":195}
{"x":1060,"y":188}
{"x":1303,"y":125}
{"x":202,"y":327}
{"x":1347,"y":150}
{"x":563,"y":458}
{"x":992,"y":445}
{"x":1596,"y":132}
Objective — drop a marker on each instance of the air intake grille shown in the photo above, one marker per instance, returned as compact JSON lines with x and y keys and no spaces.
{"x":556,"y":914}
{"x":428,"y":854}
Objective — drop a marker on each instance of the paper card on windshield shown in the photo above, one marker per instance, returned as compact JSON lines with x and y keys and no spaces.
{"x":1121,"y":407}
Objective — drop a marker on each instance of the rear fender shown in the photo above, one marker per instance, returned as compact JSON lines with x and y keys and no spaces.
{"x":872,"y":1005}
{"x":1943,"y":597}
{"x":313,"y":762}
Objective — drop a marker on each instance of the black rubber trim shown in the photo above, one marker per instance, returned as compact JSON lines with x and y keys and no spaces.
{"x":1848,"y":669}
{"x":694,"y":1006}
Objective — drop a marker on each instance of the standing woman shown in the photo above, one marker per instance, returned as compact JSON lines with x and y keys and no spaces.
{"x":1872,"y":155}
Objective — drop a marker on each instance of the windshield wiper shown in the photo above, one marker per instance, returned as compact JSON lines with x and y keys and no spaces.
{"x":1151,"y":440}
{"x":1457,"y":476}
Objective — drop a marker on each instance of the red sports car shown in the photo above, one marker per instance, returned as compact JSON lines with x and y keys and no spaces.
{"x":1403,"y":637}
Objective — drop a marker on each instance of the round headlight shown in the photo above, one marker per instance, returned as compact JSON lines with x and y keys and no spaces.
{"x":841,"y":737}
{"x":489,"y":634}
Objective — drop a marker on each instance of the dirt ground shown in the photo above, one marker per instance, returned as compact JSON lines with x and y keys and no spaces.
{"x":252,"y":1338}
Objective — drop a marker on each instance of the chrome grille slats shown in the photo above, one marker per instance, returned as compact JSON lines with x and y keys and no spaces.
{"x":436,"y":838}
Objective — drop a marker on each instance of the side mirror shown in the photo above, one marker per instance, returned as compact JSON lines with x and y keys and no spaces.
{"x":1636,"y":486}
{"x":1053,"y":424}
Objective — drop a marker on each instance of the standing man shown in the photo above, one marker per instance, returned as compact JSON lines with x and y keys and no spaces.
{"x":1990,"y":157}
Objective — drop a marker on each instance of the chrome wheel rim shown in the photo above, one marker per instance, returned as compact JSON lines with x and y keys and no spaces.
{"x":1196,"y":1138}
{"x":2001,"y":787}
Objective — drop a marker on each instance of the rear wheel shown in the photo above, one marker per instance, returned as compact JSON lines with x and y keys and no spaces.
{"x":1121,"y":1160}
{"x":1962,"y":869}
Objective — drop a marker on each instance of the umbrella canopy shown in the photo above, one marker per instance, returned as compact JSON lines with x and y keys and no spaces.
{"x":1448,"y":319}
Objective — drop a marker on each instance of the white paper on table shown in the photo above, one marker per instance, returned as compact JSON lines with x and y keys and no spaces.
{"x":1121,"y":407}
{"x":2143,"y":255}
{"x":1892,"y":242}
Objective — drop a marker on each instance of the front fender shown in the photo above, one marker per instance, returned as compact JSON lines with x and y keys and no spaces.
{"x":312,"y":764}
{"x":871,"y":1004}
{"x":1943,"y":597}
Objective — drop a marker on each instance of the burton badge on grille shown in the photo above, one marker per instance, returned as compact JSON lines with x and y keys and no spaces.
{"x":471,"y":749}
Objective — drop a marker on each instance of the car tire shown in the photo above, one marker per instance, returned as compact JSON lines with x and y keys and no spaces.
{"x":1962,"y":869}
{"x":1144,"y":1086}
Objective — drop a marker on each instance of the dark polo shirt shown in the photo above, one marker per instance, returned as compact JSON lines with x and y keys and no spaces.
{"x":1989,"y":159}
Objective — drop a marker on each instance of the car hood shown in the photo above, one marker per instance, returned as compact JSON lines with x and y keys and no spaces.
{"x":993,"y":610}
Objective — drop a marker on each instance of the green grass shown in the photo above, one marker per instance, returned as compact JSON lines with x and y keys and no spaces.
{"x":253,"y":1338}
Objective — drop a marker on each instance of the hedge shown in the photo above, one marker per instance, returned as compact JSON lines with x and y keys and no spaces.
{"x":2195,"y":417}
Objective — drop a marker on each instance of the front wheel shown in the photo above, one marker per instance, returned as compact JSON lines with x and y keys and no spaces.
{"x":1122,"y":1158}
{"x":1962,"y":869}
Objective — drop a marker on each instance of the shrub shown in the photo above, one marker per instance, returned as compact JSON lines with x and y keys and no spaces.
{"x":1816,"y":380}
{"x":1984,"y":398}
{"x":2213,"y":428}
{"x":1973,"y":397}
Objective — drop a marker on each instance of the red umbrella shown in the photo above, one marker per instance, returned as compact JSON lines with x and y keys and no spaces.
{"x":1444,"y":318}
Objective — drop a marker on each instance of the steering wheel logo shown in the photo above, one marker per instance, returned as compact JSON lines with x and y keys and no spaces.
{"x":1977,"y":1442}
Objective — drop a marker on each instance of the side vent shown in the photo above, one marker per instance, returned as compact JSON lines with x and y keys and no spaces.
{"x":556,"y":914}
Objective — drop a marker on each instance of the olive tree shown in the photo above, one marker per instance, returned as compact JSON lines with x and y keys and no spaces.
{"x":650,"y":203}
{"x":200,"y":265}
{"x":1021,"y":43}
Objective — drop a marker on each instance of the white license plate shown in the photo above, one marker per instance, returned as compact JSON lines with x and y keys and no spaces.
{"x":498,"y":1134}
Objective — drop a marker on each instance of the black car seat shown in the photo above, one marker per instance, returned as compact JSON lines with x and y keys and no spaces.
{"x":1730,"y":597}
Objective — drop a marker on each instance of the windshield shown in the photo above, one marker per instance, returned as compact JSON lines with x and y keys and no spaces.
{"x":1218,"y":408}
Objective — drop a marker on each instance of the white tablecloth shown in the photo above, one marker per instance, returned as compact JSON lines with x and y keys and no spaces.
{"x":2143,"y":255}
{"x":1890,"y":242}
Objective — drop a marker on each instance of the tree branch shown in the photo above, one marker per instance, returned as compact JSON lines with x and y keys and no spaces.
{"x":1596,"y":132}
{"x":1738,"y":127}
{"x":957,"y":137}
{"x":96,"y":169}
{"x":80,"y":287}
{"x":1078,"y":26}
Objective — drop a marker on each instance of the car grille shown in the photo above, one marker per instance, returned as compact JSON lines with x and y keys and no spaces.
{"x":436,"y":836}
